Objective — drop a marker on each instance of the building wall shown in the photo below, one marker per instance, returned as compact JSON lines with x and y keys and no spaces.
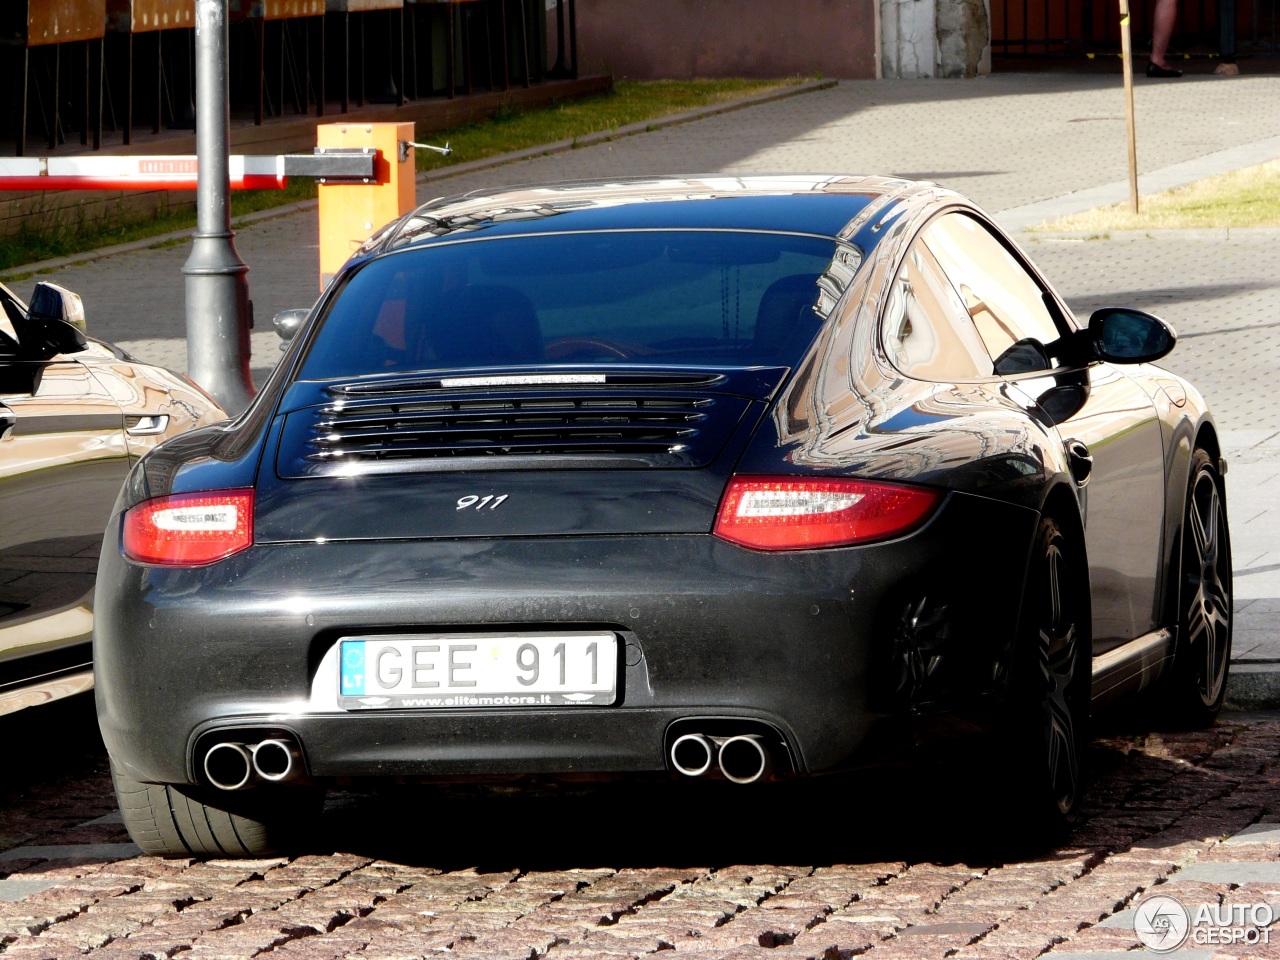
{"x":909,"y":38}
{"x":935,"y":38}
{"x":650,"y":39}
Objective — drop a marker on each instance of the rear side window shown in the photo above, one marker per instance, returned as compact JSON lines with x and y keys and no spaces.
{"x":666,"y":297}
{"x":1004,"y":300}
{"x":927,"y":331}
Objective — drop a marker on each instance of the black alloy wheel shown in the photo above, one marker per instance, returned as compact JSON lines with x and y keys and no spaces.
{"x":1051,"y":683}
{"x":1198,"y":683}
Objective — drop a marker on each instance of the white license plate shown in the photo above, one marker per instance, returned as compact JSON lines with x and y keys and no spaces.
{"x":464,"y":671}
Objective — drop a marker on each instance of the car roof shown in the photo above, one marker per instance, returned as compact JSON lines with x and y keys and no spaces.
{"x":825,"y":206}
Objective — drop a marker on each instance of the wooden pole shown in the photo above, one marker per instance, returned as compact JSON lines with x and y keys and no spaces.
{"x":1126,"y":58}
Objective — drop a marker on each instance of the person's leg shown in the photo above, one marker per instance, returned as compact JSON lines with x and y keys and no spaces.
{"x":1166,"y":13}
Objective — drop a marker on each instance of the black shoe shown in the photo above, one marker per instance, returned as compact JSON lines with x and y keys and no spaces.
{"x":1155,"y":70}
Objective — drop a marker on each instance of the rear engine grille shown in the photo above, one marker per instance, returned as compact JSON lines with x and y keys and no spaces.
{"x":539,"y":427}
{"x":433,"y":433}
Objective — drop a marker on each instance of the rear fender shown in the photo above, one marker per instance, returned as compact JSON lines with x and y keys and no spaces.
{"x":1185,"y":437}
{"x":1060,"y":502}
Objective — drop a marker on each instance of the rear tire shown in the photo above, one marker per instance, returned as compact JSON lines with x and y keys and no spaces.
{"x":1193,"y":691}
{"x":189,"y":821}
{"x":1051,"y":682}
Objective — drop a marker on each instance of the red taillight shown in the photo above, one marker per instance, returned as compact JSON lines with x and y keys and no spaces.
{"x":790,"y":513}
{"x":190,"y":529}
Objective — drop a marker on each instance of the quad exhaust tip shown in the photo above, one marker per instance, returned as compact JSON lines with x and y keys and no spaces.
{"x":228,"y":766}
{"x":692,"y":754}
{"x":234,"y":766}
{"x":275,"y":760}
{"x":743,"y":759}
{"x":739,"y":759}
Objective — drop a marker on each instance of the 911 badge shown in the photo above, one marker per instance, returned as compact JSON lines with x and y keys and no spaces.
{"x":471,"y":501}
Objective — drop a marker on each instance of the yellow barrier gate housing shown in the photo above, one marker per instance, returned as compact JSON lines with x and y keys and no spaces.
{"x":351,"y":212}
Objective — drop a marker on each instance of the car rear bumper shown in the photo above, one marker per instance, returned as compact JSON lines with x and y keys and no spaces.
{"x":494,"y":744}
{"x":818,"y":645}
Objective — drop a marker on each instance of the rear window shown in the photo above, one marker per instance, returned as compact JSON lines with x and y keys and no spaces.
{"x":664,"y":297}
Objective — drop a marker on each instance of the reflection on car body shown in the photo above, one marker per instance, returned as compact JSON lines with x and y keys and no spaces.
{"x":76,"y":412}
{"x":726,"y":478}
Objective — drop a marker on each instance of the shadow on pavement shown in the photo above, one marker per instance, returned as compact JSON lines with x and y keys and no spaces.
{"x":56,"y":774}
{"x":1149,"y":786}
{"x":942,"y":811}
{"x":53,"y":740}
{"x":1153,"y":296}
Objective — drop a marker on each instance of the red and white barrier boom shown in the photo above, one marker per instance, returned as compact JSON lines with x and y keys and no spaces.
{"x":180,"y":172}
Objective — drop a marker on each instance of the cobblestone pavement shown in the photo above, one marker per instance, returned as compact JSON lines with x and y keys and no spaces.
{"x":899,"y":865}
{"x":1222,"y":302}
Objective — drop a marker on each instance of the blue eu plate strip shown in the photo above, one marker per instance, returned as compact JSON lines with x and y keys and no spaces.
{"x":353,"y":668}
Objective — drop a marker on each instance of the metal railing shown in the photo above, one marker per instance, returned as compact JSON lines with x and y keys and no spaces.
{"x":135,"y":61}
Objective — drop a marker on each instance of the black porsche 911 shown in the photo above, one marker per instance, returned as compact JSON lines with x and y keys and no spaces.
{"x":719,"y":478}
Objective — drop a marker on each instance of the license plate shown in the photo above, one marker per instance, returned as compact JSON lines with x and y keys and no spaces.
{"x":451,"y":672}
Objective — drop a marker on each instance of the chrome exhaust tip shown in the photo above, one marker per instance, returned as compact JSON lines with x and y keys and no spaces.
{"x":743,"y":759}
{"x":228,"y":766}
{"x":276,"y":760}
{"x":692,"y":754}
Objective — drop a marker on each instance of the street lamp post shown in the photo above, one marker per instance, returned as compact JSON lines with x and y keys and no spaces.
{"x":217,"y":286}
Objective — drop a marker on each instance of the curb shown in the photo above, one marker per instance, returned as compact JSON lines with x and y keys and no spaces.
{"x":1253,"y":685}
{"x":444,"y":173}
{"x":1025,"y":216}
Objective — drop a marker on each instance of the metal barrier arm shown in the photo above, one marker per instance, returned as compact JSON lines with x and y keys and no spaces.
{"x":180,"y":172}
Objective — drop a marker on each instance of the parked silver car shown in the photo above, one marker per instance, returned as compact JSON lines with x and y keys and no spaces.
{"x":75,"y":413}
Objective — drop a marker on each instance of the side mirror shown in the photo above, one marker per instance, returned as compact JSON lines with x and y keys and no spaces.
{"x":1120,"y":335}
{"x":54,"y":323}
{"x":288,"y":322}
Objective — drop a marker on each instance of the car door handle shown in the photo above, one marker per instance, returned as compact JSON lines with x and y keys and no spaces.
{"x":1080,"y":461}
{"x":146,"y":425}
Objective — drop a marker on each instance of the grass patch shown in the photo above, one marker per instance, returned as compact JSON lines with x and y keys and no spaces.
{"x":1242,"y":198}
{"x":49,"y":233}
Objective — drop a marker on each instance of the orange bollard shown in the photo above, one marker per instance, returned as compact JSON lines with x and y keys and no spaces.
{"x":350,"y":213}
